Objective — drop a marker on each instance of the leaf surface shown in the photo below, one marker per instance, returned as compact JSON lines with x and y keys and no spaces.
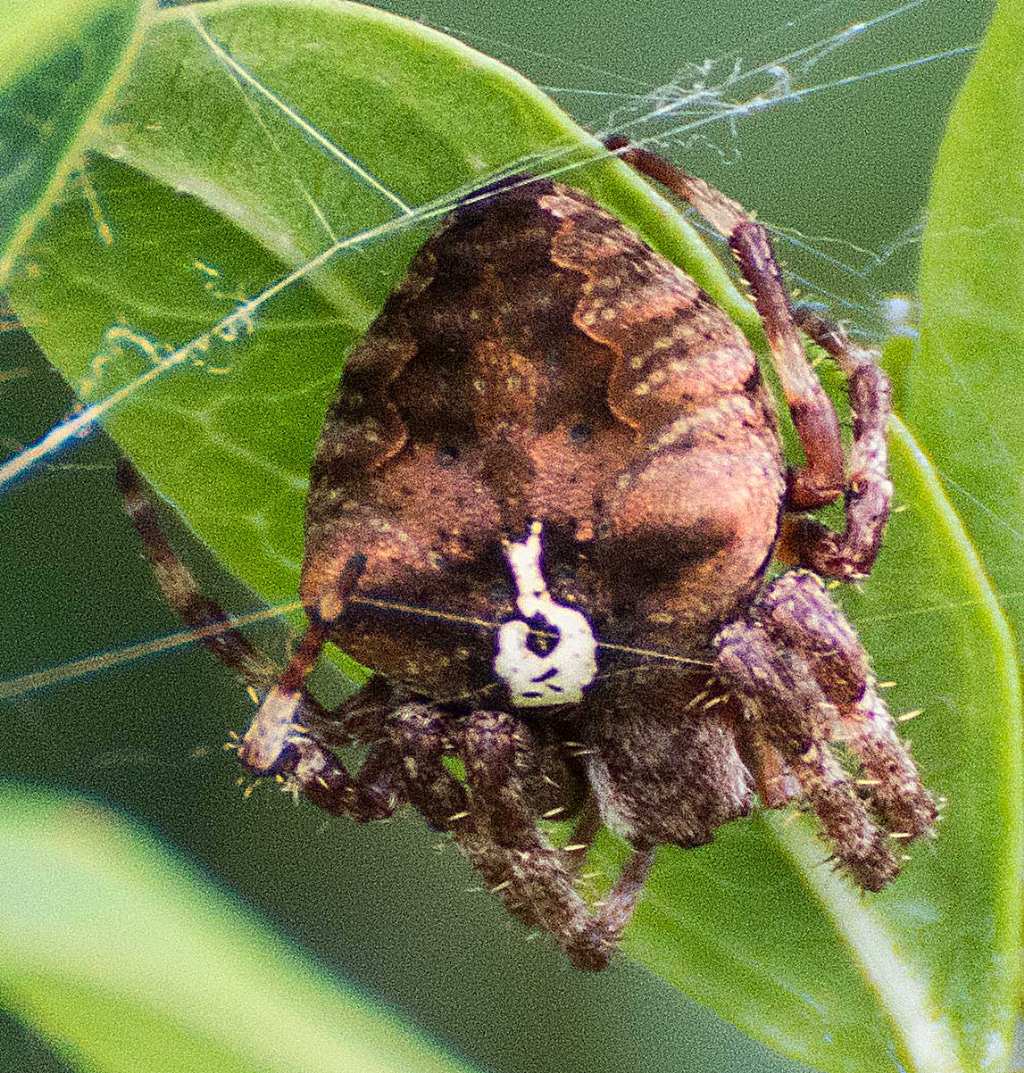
{"x":255,"y":135}
{"x":961,"y":391}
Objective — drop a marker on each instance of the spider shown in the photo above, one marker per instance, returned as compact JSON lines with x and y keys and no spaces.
{"x":552,"y":434}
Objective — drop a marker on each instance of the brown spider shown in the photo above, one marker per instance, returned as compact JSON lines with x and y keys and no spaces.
{"x":552,"y":434}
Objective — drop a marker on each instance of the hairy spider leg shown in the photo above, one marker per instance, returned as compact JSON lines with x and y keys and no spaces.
{"x":422,"y":734}
{"x":373,"y":794}
{"x":803,"y":678}
{"x":499,"y":751}
{"x":798,"y":612}
{"x":267,"y":742}
{"x":820,"y":480}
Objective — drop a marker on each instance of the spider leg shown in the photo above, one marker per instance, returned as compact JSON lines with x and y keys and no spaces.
{"x":868,"y":491}
{"x":422,"y":735}
{"x":588,"y":824}
{"x":798,"y":611}
{"x":266,"y":746}
{"x":803,"y":677}
{"x":773,"y":780}
{"x":267,"y":743}
{"x":497,"y":751}
{"x":373,"y":794}
{"x":313,"y":769}
{"x":820,"y":480}
{"x":500,"y":754}
{"x":513,"y":781}
{"x":780,"y":694}
{"x":807,"y":542}
{"x":181,"y":590}
{"x":494,"y":823}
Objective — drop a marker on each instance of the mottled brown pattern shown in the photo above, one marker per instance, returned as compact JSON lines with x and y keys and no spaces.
{"x":540,"y":363}
{"x":562,"y":370}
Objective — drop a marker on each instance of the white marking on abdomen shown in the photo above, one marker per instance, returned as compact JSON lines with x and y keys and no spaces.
{"x":560,"y":676}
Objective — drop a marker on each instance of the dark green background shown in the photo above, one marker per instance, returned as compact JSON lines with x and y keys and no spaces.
{"x":380,"y":905}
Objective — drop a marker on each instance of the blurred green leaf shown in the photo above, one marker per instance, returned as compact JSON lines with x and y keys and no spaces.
{"x":59,"y":60}
{"x":229,"y":161}
{"x":127,"y":960}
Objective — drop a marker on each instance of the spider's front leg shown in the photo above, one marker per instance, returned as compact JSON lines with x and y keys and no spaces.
{"x":502,"y":756}
{"x":804,"y":681}
{"x":423,"y":735}
{"x":374,"y":792}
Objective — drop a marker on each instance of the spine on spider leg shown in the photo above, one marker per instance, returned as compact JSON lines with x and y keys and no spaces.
{"x":211,"y":624}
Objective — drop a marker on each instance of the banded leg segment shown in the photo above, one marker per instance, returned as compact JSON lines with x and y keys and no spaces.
{"x":494,"y":822}
{"x":851,"y":554}
{"x":499,"y":754}
{"x":283,"y":744}
{"x":798,"y":612}
{"x":267,"y":743}
{"x":208,"y":621}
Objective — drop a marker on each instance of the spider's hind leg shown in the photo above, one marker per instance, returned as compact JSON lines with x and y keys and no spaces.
{"x":868,"y":493}
{"x":285,"y":745}
{"x":820,"y":480}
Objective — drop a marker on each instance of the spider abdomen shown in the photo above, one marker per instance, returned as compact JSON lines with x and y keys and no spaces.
{"x":540,"y":362}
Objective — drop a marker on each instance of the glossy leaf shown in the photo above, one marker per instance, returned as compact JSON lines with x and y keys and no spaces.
{"x":240,"y":150}
{"x":102,"y":929}
{"x":59,"y":60}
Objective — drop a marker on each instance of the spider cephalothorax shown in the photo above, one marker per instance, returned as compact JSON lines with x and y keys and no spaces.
{"x":552,"y":435}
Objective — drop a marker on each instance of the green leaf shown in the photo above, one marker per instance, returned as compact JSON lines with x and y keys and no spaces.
{"x":229,"y":161}
{"x":59,"y":60}
{"x":101,"y":929}
{"x":960,"y":391}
